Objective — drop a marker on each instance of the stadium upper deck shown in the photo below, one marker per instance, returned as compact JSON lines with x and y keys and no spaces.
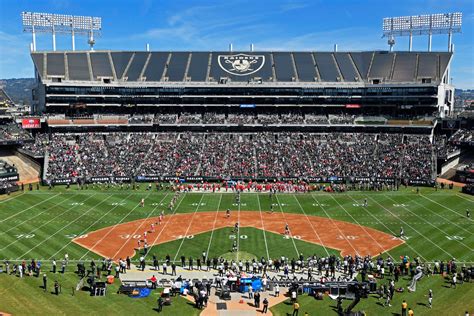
{"x":129,"y":82}
{"x":299,"y":68}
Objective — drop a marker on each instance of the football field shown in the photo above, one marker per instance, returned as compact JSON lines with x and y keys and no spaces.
{"x":48,"y":224}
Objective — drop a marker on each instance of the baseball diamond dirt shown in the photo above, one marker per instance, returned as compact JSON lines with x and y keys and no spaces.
{"x":115,"y":242}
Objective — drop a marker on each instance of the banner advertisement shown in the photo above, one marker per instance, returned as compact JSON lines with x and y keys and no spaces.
{"x":30,"y":123}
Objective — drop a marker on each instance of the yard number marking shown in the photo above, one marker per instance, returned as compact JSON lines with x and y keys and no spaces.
{"x":26,"y":236}
{"x":294,"y":237}
{"x":402,"y":238}
{"x":349,"y":237}
{"x":128,"y":236}
{"x":241,"y":237}
{"x":454,"y":237}
{"x":72,"y":236}
{"x":187,"y":237}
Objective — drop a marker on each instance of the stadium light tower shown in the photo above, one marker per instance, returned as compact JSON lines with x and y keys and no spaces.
{"x":443,"y":23}
{"x":35,"y":22}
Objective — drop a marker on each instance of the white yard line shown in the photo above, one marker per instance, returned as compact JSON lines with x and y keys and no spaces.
{"x":391,"y":231}
{"x":34,"y":230}
{"x":435,"y":227}
{"x":16,"y":214}
{"x":12,"y":198}
{"x":70,"y":223}
{"x":312,"y":226}
{"x":443,"y":218}
{"x":87,"y":229}
{"x":263,"y":226}
{"x":109,"y":231}
{"x":405,"y":223}
{"x":213,"y":227}
{"x":187,"y":230}
{"x":238,"y":228}
{"x":166,"y":224}
{"x":337,"y":226}
{"x":31,"y":218}
{"x":143,"y":221}
{"x":465,"y":198}
{"x":425,"y":197}
{"x":286,"y":222}
{"x":362,"y":226}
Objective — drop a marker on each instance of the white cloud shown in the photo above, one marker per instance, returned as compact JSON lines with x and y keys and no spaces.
{"x":324,"y":40}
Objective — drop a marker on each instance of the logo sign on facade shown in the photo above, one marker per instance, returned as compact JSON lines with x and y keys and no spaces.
{"x":241,"y":64}
{"x":31,"y":123}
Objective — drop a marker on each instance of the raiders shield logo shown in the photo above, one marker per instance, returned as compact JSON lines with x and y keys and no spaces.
{"x":241,"y":64}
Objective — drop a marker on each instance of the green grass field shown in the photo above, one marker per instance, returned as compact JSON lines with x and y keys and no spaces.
{"x":41,"y":224}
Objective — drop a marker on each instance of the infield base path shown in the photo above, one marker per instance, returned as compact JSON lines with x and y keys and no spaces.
{"x":120,"y":241}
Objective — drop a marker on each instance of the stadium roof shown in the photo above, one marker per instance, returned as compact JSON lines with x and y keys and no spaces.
{"x":242,"y":67}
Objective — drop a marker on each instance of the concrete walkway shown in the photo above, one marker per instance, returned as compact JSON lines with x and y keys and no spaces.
{"x":240,"y":304}
{"x":135,"y":274}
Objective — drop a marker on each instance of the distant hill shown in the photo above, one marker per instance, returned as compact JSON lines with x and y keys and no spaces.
{"x":19,"y":90}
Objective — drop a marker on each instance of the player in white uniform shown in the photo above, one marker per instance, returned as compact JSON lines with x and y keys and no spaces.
{"x":430,"y":298}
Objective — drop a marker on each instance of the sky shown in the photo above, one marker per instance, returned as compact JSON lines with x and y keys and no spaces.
{"x":314,"y":25}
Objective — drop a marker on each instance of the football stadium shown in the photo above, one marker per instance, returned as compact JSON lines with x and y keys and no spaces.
{"x":238,"y":182}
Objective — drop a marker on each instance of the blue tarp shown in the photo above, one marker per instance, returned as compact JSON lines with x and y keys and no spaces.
{"x":143,"y":292}
{"x":245,"y":282}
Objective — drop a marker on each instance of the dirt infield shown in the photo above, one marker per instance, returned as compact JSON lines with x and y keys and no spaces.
{"x":119,"y":241}
{"x":447,"y":182}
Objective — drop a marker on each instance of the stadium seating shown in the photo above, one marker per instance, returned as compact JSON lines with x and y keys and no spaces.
{"x":237,"y":155}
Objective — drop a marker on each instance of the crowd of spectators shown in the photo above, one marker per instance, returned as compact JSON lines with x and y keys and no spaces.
{"x":266,"y":119}
{"x":190,"y":118}
{"x":443,"y":147}
{"x":240,"y":119}
{"x":141,"y":119}
{"x":37,"y":148}
{"x":463,"y":136}
{"x":212,"y":118}
{"x":249,"y":117}
{"x":13,"y":132}
{"x":316,"y":119}
{"x":418,"y":157}
{"x":238,"y":154}
{"x":341,"y":119}
{"x":166,"y":118}
{"x":6,"y":170}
